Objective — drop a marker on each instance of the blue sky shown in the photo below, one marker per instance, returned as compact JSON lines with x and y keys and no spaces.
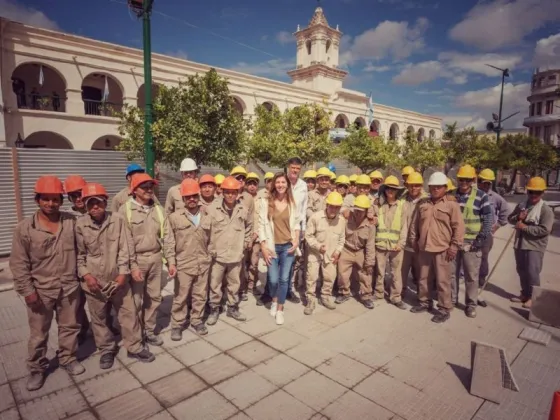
{"x":423,"y":55}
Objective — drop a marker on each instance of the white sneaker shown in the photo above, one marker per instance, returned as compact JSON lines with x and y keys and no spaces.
{"x":279,"y":317}
{"x":273,"y":309}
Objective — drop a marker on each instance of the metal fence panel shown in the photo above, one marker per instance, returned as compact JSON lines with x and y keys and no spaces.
{"x":8,"y":213}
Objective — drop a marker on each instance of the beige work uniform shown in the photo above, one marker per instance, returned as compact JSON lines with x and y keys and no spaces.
{"x":322,"y":231}
{"x":385,"y":253}
{"x":174,"y":201}
{"x":246,"y":278}
{"x":252,"y":254}
{"x":122,"y":197}
{"x":436,"y":227}
{"x":357,"y":254}
{"x":103,"y":252}
{"x":186,"y":247}
{"x":229,"y":236}
{"x":145,"y":230}
{"x":410,"y":258}
{"x":316,"y":202}
{"x":45,"y":263}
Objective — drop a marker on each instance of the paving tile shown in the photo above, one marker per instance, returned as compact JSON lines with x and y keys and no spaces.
{"x":162,"y":415}
{"x":332,"y":318}
{"x":188,"y":336}
{"x":122,"y":356}
{"x":92,"y":368}
{"x":164,"y":365}
{"x":13,"y":335}
{"x":228,"y":339}
{"x":207,"y":405}
{"x":259,"y":326}
{"x":58,"y":405}
{"x":56,"y":381}
{"x":137,"y":405}
{"x":373,"y":356}
{"x":315,"y":390}
{"x":84,"y":415}
{"x":3,"y":377}
{"x":176,"y":387}
{"x":344,"y":370}
{"x":319,"y":416}
{"x":245,"y":389}
{"x":6,"y":397}
{"x":283,"y":339}
{"x":308,"y":327}
{"x":252,"y":353}
{"x":281,"y":370}
{"x":311,"y":354}
{"x":548,"y":356}
{"x":240,"y":416}
{"x":102,"y":388}
{"x":218,"y":368}
{"x":13,"y":316}
{"x":354,"y":406}
{"x":194,"y":352}
{"x":352,"y":308}
{"x":13,"y":357}
{"x":410,"y":372}
{"x":11,"y":414}
{"x":279,"y":406}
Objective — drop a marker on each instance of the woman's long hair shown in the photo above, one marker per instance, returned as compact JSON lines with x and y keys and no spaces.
{"x":273,"y":194}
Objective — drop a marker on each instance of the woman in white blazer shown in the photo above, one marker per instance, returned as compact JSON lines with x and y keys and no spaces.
{"x":279,"y":226}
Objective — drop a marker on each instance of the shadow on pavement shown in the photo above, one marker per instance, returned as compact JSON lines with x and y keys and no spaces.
{"x":463,"y":373}
{"x":524,"y":313}
{"x":497,"y":290}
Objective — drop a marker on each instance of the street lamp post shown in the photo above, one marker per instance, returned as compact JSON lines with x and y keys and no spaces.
{"x":143,"y":8}
{"x":498,"y":129}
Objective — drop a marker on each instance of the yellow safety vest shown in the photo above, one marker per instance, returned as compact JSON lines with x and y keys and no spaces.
{"x":472,"y":221}
{"x":389,"y":237}
{"x":159,"y":211}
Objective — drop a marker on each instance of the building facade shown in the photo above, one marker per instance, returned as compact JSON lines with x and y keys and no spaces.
{"x":60,"y":91}
{"x":544,"y":107}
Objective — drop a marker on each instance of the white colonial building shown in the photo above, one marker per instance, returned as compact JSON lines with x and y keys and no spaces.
{"x":59,"y":90}
{"x":544,"y":106}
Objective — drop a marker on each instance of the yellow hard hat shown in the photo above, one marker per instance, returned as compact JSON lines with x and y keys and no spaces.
{"x":362,"y":202}
{"x":252,"y":175}
{"x":238,"y":170}
{"x":450,"y":185}
{"x":333,"y":176}
{"x":407,"y":170}
{"x":343,"y":179}
{"x":363,"y":180}
{"x":323,"y":172}
{"x":268,"y":175}
{"x":536,"y":184}
{"x":219,"y":179}
{"x":392,"y":181}
{"x":487,"y":175}
{"x":414,"y":178}
{"x":310,"y":174}
{"x":353,"y":178}
{"x":466,"y":171}
{"x":334,"y":199}
{"x":376,"y":175}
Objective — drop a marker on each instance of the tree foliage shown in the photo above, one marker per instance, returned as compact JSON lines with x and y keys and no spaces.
{"x":196,"y":118}
{"x":300,"y":131}
{"x":527,"y":154}
{"x":468,"y":146}
{"x":422,"y":155}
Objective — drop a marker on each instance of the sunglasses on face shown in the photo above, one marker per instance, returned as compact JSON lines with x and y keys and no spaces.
{"x":240,"y":178}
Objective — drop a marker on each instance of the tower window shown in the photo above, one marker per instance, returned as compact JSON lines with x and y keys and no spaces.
{"x":308,"y":45}
{"x":328,"y":45}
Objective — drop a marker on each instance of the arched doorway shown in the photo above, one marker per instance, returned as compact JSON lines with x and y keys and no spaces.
{"x":410,"y":131}
{"x":375,"y":128}
{"x":432,"y":134}
{"x":421,"y":134}
{"x":341,"y":121}
{"x":46,"y":140}
{"x":109,"y":142}
{"x":394,"y":131}
{"x":238,"y":104}
{"x":102,"y":95}
{"x":141,"y":95}
{"x":269,"y":105}
{"x":39,"y":87}
{"x":359,"y":122}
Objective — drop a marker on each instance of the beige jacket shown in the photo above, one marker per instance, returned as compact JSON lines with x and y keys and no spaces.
{"x":323,"y":231}
{"x":361,"y":237}
{"x":174,"y":200}
{"x":315,"y":202}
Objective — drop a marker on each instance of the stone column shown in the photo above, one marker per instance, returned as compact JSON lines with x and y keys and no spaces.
{"x":74,"y":102}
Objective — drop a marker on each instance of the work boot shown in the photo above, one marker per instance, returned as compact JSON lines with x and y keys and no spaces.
{"x":328,"y":303}
{"x":482,"y":303}
{"x":400,"y":305}
{"x":35,"y":381}
{"x":419,"y":309}
{"x":527,"y":304}
{"x":440,"y":317}
{"x":154,"y":340}
{"x":144,"y":356}
{"x":213,"y":317}
{"x":310,"y":307}
{"x":255,"y":291}
{"x":74,"y":368}
{"x":470,"y":312}
{"x":341,"y":299}
{"x":244,"y":297}
{"x":200,"y":329}
{"x":176,"y":334}
{"x":233,"y":312}
{"x":106,"y":361}
{"x":292,"y":297}
{"x":259,"y":301}
{"x":368,"y":303}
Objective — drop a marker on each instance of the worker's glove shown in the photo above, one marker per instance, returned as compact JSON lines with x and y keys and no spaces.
{"x":109,"y":289}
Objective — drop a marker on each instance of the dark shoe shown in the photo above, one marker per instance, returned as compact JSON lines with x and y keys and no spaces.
{"x":341,"y":299}
{"x":74,"y":368}
{"x":482,"y":303}
{"x":176,"y":334}
{"x":401,"y":305}
{"x":234,"y":313}
{"x":255,"y":291}
{"x":260,"y":302}
{"x":106,"y":361}
{"x":292,"y":297}
{"x":470,"y":312}
{"x":244,"y":297}
{"x":418,"y":309}
{"x":154,"y":340}
{"x":144,"y":356}
{"x":35,"y":381}
{"x":519,"y":299}
{"x":440,"y":317}
{"x":368,"y":303}
{"x":213,"y":317}
{"x":200,"y":329}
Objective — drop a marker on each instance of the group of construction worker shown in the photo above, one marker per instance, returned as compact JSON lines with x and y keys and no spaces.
{"x":362,"y":230}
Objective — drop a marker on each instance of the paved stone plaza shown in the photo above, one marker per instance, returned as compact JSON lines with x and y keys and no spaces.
{"x":349,"y":363}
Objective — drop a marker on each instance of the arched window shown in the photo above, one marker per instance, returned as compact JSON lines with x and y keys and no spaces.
{"x":308,"y":46}
{"x":328,"y":46}
{"x":39,"y":87}
{"x":102,"y":95}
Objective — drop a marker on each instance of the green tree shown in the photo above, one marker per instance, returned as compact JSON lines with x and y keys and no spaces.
{"x":468,"y":146}
{"x":422,"y":155}
{"x":300,"y":131}
{"x":196,"y":118}
{"x":368,"y":153}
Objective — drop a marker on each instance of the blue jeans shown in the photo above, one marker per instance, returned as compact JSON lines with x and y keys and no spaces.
{"x":279,"y":272}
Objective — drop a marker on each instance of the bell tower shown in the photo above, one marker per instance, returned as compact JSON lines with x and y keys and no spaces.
{"x":317,"y":56}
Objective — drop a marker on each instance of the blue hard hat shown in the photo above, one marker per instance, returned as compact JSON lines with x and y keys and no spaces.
{"x":132,"y":168}
{"x":331,"y":167}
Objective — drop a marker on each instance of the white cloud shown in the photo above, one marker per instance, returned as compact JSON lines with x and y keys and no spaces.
{"x":416,"y":74}
{"x":476,"y":63}
{"x":285,"y":37}
{"x":376,"y":69}
{"x":547,"y":52}
{"x":499,"y":23}
{"x":20,"y":13}
{"x":465,"y":121}
{"x":271,"y":68}
{"x":433,"y":92}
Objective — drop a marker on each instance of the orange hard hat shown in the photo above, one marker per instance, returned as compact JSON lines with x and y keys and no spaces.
{"x":49,"y":184}
{"x":230,"y":183}
{"x":92,"y":189}
{"x":206,"y":179}
{"x":140,"y":178}
{"x":189,"y":187}
{"x":74,"y":183}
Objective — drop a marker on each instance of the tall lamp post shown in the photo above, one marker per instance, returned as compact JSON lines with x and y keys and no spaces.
{"x":143,"y":9}
{"x":498,"y":129}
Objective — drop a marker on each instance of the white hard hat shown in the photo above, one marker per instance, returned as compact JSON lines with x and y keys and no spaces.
{"x":188,"y":165}
{"x":438,"y":178}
